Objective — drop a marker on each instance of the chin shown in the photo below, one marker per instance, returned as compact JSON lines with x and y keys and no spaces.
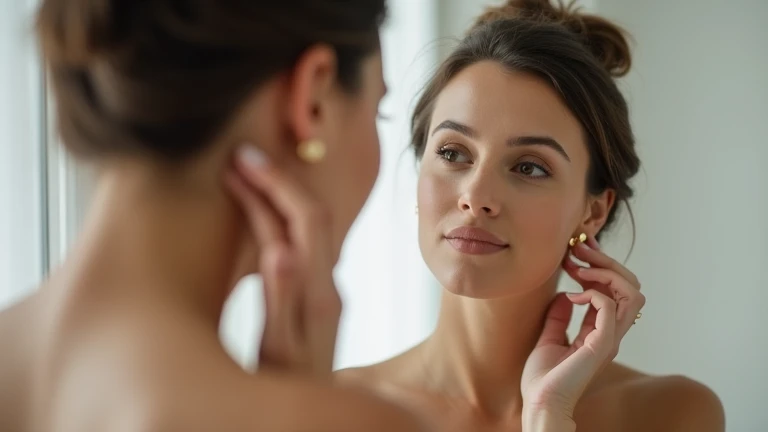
{"x":465,"y":281}
{"x":486,"y":282}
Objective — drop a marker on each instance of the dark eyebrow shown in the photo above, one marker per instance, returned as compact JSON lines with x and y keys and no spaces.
{"x":516,"y":141}
{"x":539,"y":140}
{"x":458,"y":127}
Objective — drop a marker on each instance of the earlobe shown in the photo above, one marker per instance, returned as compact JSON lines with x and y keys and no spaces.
{"x":581,"y":238}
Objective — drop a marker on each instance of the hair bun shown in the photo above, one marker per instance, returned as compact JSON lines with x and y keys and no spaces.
{"x":77,"y":31}
{"x":607,"y":41}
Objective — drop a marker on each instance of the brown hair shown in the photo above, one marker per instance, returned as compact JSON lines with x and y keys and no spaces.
{"x":579,"y":55}
{"x":163,"y":77}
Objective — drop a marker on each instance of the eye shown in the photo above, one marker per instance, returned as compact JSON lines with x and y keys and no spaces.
{"x":530,"y":169}
{"x":452,"y":156}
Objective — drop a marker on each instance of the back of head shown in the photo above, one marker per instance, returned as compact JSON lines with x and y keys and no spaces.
{"x":578,"y":54}
{"x":163,"y":77}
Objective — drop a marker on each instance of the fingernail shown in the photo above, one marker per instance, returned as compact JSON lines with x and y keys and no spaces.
{"x":251,"y":156}
{"x":572,"y":294}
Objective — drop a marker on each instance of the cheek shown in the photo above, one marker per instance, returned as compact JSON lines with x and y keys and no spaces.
{"x":435,"y":195}
{"x":435,"y":200}
{"x":544,"y":223}
{"x":544,"y":215}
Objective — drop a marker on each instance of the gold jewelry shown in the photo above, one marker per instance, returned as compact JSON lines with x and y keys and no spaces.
{"x":637,"y":317}
{"x":311,"y":151}
{"x":580,"y":239}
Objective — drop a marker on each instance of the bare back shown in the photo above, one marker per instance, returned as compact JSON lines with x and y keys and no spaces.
{"x":19,"y":345}
{"x":82,"y":364}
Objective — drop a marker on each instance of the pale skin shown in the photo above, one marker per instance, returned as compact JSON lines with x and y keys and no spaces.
{"x":499,"y":359}
{"x":124,"y":335}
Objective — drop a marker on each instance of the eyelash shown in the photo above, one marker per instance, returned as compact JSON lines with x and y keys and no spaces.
{"x":444,"y":150}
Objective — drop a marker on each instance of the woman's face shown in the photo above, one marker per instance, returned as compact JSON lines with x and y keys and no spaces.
{"x":502,"y":186}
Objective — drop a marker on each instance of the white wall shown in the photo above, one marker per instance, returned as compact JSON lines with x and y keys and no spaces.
{"x":699,"y":99}
{"x":21,"y":198}
{"x":699,"y":103}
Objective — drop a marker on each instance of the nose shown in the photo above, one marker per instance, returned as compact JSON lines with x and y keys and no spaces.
{"x":478,"y":200}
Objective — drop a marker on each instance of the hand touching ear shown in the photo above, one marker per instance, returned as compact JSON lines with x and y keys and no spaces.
{"x":302,"y":304}
{"x":557,"y":372}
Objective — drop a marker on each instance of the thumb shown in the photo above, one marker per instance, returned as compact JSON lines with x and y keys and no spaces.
{"x":556,"y":322}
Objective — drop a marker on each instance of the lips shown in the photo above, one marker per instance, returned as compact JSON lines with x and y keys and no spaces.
{"x":475,"y":241}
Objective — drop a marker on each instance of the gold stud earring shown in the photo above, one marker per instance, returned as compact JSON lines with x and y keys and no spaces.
{"x":311,"y":151}
{"x":581,"y":238}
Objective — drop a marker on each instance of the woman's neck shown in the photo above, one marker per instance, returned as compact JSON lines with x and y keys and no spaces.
{"x":479,"y":348}
{"x":159,"y":235}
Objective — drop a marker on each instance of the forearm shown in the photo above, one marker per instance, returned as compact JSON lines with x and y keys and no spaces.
{"x":543,"y":420}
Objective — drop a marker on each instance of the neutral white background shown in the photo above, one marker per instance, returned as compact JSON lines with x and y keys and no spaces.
{"x":699,"y":103}
{"x":699,"y":100}
{"x":21,"y":144}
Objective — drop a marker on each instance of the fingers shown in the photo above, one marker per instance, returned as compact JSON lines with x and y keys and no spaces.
{"x":587,"y":325}
{"x":601,"y":338}
{"x":303,"y":305}
{"x":628,"y":299}
{"x":282,"y":339}
{"x":307,"y":223}
{"x":266,"y":225}
{"x":595,"y":258}
{"x":322,"y":311}
{"x":571,"y":268}
{"x":556,"y":321}
{"x":282,"y":336}
{"x":607,"y":275}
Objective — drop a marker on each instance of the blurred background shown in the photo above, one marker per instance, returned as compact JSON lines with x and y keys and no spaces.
{"x":699,"y":105}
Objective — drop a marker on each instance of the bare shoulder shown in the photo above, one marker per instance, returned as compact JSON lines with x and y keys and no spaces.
{"x":365,"y":376}
{"x":265,"y":401}
{"x":197,"y":386}
{"x":661,"y":403}
{"x":395,"y":370}
{"x":677,"y":403}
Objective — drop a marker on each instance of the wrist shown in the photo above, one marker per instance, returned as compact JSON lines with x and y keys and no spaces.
{"x":543,"y":419}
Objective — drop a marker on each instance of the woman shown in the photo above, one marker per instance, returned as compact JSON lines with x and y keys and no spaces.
{"x":526,"y":151}
{"x":158,"y":95}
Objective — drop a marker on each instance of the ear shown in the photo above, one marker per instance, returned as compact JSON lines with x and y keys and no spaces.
{"x":597,"y":211}
{"x":311,"y":86}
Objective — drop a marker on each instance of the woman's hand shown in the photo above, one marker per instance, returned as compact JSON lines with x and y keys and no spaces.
{"x":557,"y":372}
{"x":292,"y":234}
